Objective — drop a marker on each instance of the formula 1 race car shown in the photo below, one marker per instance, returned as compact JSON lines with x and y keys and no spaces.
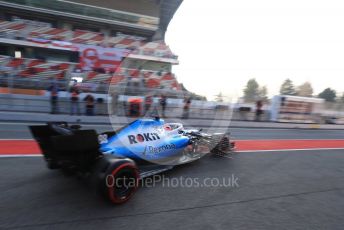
{"x":116,"y":161}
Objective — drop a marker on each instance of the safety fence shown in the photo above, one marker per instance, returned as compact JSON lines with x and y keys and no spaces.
{"x":104,"y":106}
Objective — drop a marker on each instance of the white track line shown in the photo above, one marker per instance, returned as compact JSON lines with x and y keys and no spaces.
{"x":20,"y":155}
{"x":286,"y":150}
{"x":20,"y":139}
{"x":283,"y":139}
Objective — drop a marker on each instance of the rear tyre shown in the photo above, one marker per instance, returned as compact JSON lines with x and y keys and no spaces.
{"x":119,"y":180}
{"x":122,"y":183}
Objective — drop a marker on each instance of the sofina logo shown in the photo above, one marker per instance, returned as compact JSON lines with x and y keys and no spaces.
{"x":139,"y":138}
{"x":156,"y":150}
{"x":163,"y":148}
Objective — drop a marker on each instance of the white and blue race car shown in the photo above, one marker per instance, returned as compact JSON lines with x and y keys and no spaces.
{"x":116,"y":161}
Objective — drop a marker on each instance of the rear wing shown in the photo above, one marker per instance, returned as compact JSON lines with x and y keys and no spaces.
{"x":58,"y":140}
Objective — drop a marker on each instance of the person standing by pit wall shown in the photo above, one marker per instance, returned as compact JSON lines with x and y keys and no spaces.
{"x":74,"y":99}
{"x":186,"y":108}
{"x":259,"y":110}
{"x":54,"y":91}
{"x":114,"y":103}
{"x":148,"y":103}
{"x":89,"y":105}
{"x":163,"y":103}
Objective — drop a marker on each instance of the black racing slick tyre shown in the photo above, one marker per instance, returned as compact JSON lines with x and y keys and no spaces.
{"x":118,"y":180}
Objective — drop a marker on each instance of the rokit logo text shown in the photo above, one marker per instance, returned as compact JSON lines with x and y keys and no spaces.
{"x":134,"y":139}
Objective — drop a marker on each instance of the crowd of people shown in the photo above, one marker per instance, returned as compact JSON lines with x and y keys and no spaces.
{"x":151,"y":107}
{"x":74,"y":101}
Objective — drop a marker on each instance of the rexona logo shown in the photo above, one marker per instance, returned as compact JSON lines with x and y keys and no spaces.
{"x":139,"y":138}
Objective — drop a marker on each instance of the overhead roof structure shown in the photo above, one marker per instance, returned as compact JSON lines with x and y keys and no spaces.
{"x":167,"y":10}
{"x":148,"y":16}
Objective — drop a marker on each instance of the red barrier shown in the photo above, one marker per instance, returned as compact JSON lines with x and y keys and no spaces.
{"x":28,"y":147}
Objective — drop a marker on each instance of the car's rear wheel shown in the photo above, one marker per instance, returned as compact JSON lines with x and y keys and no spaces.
{"x":122,"y":183}
{"x":115,"y":178}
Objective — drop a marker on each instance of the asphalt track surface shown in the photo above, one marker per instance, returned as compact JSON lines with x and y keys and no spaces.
{"x":294,"y":189}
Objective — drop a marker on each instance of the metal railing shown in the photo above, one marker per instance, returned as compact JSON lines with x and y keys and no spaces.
{"x":42,"y":104}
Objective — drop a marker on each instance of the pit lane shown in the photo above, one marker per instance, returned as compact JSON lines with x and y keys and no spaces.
{"x":277,"y":190}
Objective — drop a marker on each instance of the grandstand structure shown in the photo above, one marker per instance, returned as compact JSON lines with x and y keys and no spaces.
{"x":95,"y":43}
